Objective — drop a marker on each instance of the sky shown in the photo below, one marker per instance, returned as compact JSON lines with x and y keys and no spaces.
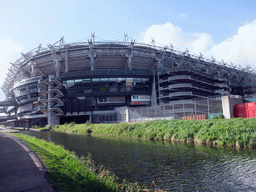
{"x":224,"y":29}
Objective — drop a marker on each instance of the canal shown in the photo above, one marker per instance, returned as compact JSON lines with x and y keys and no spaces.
{"x":172,"y":167}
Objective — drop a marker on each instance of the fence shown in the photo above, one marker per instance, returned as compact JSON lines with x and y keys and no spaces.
{"x":177,"y":109}
{"x":104,"y":117}
{"x":182,"y":109}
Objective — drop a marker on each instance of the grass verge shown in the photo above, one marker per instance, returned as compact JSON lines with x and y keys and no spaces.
{"x":237,"y":132}
{"x":68,"y":172}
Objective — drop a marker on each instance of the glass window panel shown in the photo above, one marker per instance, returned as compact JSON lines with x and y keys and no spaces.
{"x":137,"y":79}
{"x":70,"y":83}
{"x":145,"y":79}
{"x":104,"y":79}
{"x":96,"y":82}
{"x":112,"y":79}
{"x":113,"y":85}
{"x":121,"y":79}
{"x":129,"y":84}
{"x":86,"y":80}
{"x":78,"y":80}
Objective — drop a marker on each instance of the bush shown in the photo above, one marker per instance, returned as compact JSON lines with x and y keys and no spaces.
{"x":72,"y":124}
{"x":35,"y":127}
{"x":87,"y":122}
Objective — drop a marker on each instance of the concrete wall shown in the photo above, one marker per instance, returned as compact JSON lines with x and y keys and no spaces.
{"x":228,"y":104}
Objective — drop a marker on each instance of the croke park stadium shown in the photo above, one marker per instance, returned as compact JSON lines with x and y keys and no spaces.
{"x":79,"y":81}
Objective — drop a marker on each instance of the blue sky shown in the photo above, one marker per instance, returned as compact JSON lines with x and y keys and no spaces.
{"x":223,"y":28}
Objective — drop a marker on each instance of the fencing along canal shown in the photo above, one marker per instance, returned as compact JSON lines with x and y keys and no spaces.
{"x":172,"y":167}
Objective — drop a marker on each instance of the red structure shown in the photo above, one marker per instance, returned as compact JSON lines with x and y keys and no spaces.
{"x":245,"y":110}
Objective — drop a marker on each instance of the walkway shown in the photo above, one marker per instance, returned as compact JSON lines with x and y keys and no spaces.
{"x":20,"y":169}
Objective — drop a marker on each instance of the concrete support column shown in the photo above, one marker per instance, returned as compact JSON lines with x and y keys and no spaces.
{"x":153,"y":95}
{"x":52,"y":118}
{"x":127,"y":115}
{"x":226,"y":107}
{"x":129,"y":61}
{"x":33,"y":69}
{"x":228,"y":104}
{"x":57,"y":67}
{"x":66,"y":61}
{"x":92,"y":54}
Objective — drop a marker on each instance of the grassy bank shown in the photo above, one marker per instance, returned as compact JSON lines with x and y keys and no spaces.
{"x":220,"y":132}
{"x":68,"y":172}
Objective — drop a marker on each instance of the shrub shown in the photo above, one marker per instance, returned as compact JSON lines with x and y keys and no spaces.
{"x":34,"y":126}
{"x":72,"y":124}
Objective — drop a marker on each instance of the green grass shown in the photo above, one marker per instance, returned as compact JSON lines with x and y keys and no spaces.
{"x":68,"y":172}
{"x":220,"y":132}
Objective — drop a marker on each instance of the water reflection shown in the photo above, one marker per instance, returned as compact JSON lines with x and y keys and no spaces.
{"x":173,"y":167}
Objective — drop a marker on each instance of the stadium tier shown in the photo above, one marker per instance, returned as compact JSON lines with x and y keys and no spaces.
{"x":75,"y":82}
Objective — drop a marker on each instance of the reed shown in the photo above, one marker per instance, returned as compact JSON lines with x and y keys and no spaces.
{"x":219,"y":132}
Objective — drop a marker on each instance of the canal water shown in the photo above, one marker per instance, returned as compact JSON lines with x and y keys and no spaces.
{"x":172,"y":167}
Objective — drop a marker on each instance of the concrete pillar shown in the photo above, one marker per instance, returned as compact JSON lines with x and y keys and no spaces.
{"x":52,"y":118}
{"x":66,"y":61}
{"x":33,"y":69}
{"x":57,"y":67}
{"x":90,"y":117}
{"x":228,"y":104}
{"x":153,"y":95}
{"x":127,"y":115}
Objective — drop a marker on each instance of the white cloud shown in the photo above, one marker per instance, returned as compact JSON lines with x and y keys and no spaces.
{"x":239,"y":49}
{"x":168,"y":33}
{"x":9,"y":52}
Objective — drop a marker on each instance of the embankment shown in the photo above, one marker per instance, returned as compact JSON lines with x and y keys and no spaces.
{"x":238,"y":133}
{"x":68,"y":172}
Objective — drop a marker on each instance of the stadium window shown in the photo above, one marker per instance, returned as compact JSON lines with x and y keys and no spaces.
{"x":78,"y":81}
{"x":137,"y":79}
{"x":129,"y":84}
{"x":104,"y":84}
{"x":23,"y":90}
{"x":113,"y":84}
{"x":64,"y":83}
{"x":33,"y":87}
{"x":121,"y":84}
{"x":33,"y":95}
{"x":22,"y":98}
{"x":137,"y":82}
{"x":95,"y":82}
{"x":103,"y":79}
{"x":121,"y":80}
{"x":145,"y":81}
{"x":95,"y":79}
{"x":70,"y":83}
{"x":87,"y":82}
{"x":112,"y":79}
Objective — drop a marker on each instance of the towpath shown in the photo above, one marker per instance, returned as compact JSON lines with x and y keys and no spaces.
{"x":20,"y":168}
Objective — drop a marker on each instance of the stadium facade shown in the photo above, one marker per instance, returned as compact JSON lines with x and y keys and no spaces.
{"x":76,"y":82}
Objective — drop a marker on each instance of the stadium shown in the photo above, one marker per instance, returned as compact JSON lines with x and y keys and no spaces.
{"x":79,"y":81}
